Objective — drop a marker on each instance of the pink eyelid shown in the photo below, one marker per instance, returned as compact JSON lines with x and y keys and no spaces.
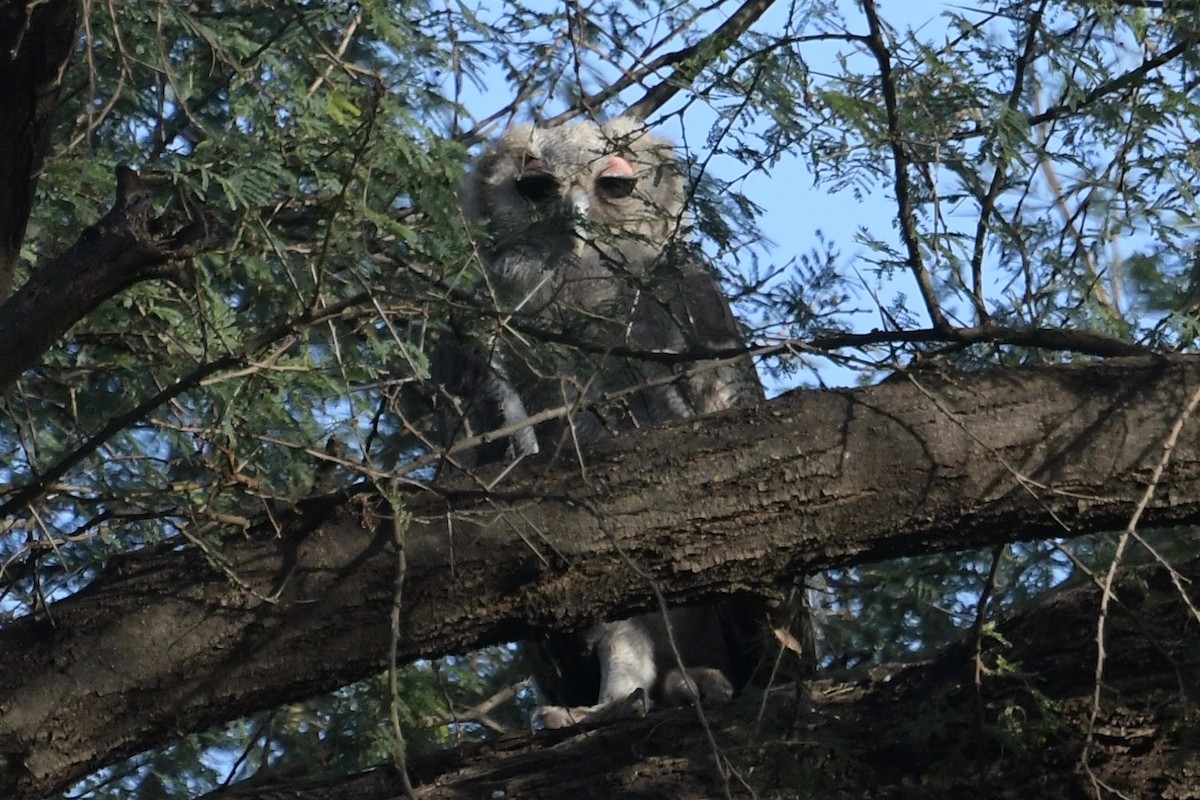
{"x":617,"y":167}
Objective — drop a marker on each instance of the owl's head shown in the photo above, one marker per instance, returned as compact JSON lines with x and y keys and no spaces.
{"x":575,"y":214}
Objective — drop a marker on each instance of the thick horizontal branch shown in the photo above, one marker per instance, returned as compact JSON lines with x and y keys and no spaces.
{"x":854,"y":731}
{"x":734,"y":502}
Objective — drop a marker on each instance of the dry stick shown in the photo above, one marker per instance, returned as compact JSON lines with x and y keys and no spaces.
{"x":1042,"y":134}
{"x":1176,"y":578}
{"x":335,"y":58}
{"x":399,"y":527}
{"x":479,"y":712}
{"x":1107,"y":593}
{"x":1059,"y":195}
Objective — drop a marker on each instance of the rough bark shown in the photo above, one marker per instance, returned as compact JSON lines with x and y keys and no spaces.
{"x":35,"y":43}
{"x":129,"y":244}
{"x":918,"y":731}
{"x":732,"y":502}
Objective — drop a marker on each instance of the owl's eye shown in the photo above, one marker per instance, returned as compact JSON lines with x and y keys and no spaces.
{"x":537,"y":187}
{"x":615,"y":187}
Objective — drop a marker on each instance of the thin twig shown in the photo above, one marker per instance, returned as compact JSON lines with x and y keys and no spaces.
{"x":985,"y":596}
{"x":900,"y":162}
{"x":1118,"y":83}
{"x":1003,"y":156}
{"x":399,"y":528}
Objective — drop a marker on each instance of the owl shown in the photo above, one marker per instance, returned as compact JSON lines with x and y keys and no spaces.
{"x":583,"y":237}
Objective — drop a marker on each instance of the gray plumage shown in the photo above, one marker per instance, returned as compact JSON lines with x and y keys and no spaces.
{"x":583,"y":235}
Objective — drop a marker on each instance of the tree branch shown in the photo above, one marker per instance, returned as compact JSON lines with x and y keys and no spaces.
{"x":734,"y":502}
{"x":19,"y":498}
{"x":1003,"y":155}
{"x":1118,"y":83}
{"x":854,"y":729}
{"x":900,"y":162}
{"x":35,"y":44}
{"x":1084,"y":342}
{"x":128,"y":245}
{"x":692,"y":60}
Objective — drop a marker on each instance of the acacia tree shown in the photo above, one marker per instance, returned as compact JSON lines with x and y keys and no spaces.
{"x":217,"y":513}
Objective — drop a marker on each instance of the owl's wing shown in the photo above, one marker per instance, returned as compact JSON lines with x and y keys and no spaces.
{"x":685,"y":309}
{"x":473,"y":397}
{"x":708,"y":323}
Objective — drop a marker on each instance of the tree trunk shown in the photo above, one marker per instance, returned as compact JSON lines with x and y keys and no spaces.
{"x":734,"y":502}
{"x":35,"y":42}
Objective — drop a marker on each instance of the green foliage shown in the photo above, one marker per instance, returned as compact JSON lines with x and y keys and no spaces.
{"x":327,"y":141}
{"x":344,"y":732}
